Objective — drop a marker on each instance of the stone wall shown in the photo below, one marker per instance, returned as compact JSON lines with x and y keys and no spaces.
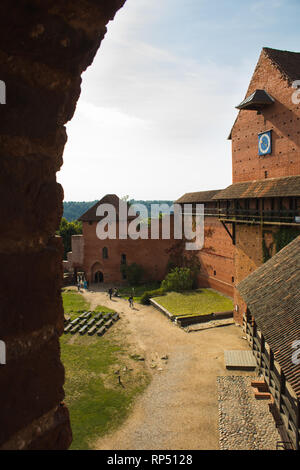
{"x":45,"y":46}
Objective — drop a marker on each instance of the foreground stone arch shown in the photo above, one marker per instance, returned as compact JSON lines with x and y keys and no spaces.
{"x":45,"y":45}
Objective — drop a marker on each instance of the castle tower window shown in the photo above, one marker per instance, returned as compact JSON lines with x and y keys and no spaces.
{"x":105,"y":253}
{"x":123,"y":259}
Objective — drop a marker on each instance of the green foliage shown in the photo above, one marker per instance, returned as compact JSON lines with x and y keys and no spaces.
{"x":66,"y":230}
{"x":178,"y":280}
{"x":284,"y":236}
{"x":148,"y":205}
{"x":145,"y":298}
{"x":137,"y":291}
{"x":74,"y":209}
{"x":180,"y":258}
{"x":134,"y":273}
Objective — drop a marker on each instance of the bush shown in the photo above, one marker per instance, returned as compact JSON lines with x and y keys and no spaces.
{"x":178,"y":280}
{"x":145,"y":298}
{"x":134,"y":273}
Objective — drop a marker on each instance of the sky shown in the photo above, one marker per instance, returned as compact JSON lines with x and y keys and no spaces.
{"x":158,"y":102}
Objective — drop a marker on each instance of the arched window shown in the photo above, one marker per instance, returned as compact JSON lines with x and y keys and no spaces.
{"x":105,"y":253}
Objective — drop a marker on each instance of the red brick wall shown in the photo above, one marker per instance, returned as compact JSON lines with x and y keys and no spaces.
{"x":283,"y":117}
{"x":216,"y":258}
{"x":248,"y":256}
{"x":151,"y":254}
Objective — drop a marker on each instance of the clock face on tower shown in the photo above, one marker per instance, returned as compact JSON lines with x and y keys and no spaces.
{"x":265,"y":143}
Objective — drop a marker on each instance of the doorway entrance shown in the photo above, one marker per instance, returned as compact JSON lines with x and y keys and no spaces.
{"x":98,"y":277}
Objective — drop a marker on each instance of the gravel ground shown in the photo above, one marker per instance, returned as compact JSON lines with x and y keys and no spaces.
{"x":209,"y":324}
{"x":179,"y":408}
{"x":244,"y":422}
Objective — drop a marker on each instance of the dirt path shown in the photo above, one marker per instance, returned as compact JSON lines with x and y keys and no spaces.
{"x":179,"y":409}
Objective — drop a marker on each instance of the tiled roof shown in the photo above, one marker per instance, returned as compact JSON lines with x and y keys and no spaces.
{"x":289,"y":186}
{"x":287,"y":62}
{"x":202,"y":196}
{"x":272,"y":295}
{"x":90,"y":214}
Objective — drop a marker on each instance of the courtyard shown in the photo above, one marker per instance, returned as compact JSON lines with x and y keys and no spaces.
{"x":175,"y":404}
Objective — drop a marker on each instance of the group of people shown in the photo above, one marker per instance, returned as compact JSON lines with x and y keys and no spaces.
{"x":114,"y":293}
{"x":82,"y":284}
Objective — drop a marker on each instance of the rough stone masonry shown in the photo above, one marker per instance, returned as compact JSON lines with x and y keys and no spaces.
{"x":45,"y":45}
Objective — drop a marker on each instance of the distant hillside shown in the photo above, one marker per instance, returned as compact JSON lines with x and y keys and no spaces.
{"x":74,"y":209}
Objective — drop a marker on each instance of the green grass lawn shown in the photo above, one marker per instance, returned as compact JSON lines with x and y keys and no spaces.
{"x":197,"y":302}
{"x":137,"y":291}
{"x":72,"y":302}
{"x":96,"y":401}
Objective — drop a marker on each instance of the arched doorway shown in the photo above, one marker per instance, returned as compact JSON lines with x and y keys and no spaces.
{"x":98,"y":277}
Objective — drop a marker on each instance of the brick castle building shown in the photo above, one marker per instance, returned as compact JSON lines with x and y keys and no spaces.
{"x":101,"y":260}
{"x":251,"y":230}
{"x":245,"y":223}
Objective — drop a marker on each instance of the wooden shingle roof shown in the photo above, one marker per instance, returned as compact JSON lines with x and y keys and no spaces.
{"x":288,"y":186}
{"x":272,"y":294}
{"x":201,"y":196}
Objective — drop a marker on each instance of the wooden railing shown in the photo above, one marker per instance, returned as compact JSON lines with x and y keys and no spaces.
{"x":288,"y":406}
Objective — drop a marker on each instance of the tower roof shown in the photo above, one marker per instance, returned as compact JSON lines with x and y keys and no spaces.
{"x":286,"y":61}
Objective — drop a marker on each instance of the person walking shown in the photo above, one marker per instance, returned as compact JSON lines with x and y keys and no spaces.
{"x":130,"y":300}
{"x":110,"y":292}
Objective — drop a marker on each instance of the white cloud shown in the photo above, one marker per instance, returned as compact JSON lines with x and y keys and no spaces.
{"x":150,"y":123}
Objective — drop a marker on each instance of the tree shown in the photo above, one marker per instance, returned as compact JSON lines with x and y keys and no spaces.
{"x":178,"y":280}
{"x":66,"y":230}
{"x":180,"y":258}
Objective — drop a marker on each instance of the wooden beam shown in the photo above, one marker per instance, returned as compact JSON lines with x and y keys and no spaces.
{"x":232,"y":235}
